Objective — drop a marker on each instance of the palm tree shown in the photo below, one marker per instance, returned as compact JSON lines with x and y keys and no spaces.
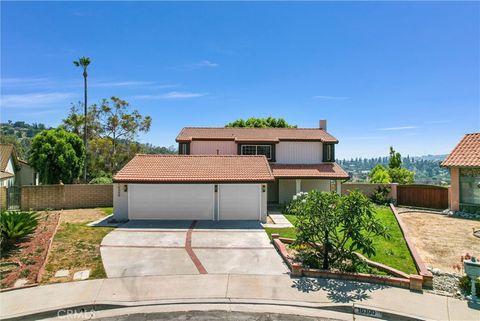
{"x":84,"y":62}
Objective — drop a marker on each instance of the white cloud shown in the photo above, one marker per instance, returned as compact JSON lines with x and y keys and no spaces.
{"x":204,"y":64}
{"x":330,"y":97}
{"x":172,"y":95}
{"x":34,"y":100}
{"x":398,"y":128}
{"x":25,"y":82}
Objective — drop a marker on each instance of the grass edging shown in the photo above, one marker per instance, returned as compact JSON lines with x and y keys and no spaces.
{"x":42,"y":268}
{"x":426,"y":275}
{"x":413,"y":282}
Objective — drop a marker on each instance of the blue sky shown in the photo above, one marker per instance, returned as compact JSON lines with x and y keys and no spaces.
{"x":402,"y":74}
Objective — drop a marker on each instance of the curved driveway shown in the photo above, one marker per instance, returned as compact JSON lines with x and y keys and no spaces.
{"x":142,"y":248}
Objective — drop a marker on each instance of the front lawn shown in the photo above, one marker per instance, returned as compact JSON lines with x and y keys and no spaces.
{"x":76,"y":246}
{"x":392,"y":252}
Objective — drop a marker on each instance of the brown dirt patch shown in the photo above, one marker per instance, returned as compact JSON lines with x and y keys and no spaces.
{"x":30,"y":254}
{"x":84,"y":215}
{"x":442,"y":240}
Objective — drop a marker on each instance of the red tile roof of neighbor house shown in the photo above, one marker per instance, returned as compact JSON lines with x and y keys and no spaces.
{"x":195,"y":169}
{"x":466,"y":153}
{"x":325,"y":170}
{"x":255,"y":134}
{"x":6,"y":151}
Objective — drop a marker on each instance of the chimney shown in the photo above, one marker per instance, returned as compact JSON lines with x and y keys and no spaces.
{"x":323,"y":124}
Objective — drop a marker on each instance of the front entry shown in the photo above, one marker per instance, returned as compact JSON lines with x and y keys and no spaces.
{"x":272,"y":192}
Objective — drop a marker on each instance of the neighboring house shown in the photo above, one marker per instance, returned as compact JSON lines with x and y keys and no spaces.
{"x":14,"y":171}
{"x":228,"y":173}
{"x":464,"y":165}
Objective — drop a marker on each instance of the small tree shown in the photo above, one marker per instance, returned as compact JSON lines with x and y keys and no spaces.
{"x":401,"y":175}
{"x":337,"y":226}
{"x":57,"y":155}
{"x":395,"y":160}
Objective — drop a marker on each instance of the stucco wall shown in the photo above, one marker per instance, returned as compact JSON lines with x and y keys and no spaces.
{"x":120,"y":202}
{"x":298,"y":153}
{"x":27,"y":175}
{"x":288,"y":187}
{"x":200,"y":147}
{"x":454,"y":197}
{"x":368,"y":189}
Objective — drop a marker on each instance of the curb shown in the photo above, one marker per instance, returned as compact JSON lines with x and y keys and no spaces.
{"x":86,"y":309}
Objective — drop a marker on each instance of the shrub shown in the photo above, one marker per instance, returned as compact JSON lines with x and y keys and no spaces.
{"x":101,"y":180}
{"x":16,"y":225}
{"x":465,"y":284}
{"x":380,"y":196}
{"x":292,"y":207}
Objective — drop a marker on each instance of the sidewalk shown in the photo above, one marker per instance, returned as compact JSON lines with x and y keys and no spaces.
{"x":242,"y":289}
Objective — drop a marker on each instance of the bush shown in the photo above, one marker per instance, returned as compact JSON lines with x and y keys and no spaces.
{"x":292,"y":207}
{"x":380,"y":196}
{"x":16,"y":225}
{"x":465,"y":285}
{"x":101,"y":180}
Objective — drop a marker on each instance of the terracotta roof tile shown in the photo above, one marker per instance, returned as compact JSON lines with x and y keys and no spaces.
{"x":466,"y":153}
{"x":325,"y":170}
{"x":195,"y":169}
{"x":255,"y":134}
{"x":6,"y":151}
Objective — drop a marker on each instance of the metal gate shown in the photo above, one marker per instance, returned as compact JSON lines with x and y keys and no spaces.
{"x":14,"y":197}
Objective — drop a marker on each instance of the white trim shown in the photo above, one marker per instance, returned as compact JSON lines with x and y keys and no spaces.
{"x":129,"y":193}
{"x":260,"y":202}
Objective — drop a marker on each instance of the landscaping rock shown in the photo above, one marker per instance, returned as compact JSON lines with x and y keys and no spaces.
{"x":62,"y":274}
{"x":446,"y":284}
{"x":81,"y":275}
{"x":20,"y":282}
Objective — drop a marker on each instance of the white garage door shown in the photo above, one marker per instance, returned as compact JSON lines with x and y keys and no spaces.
{"x":239,"y":201}
{"x":171,"y":201}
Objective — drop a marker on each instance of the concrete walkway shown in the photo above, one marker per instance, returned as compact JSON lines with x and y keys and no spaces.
{"x":273,"y":290}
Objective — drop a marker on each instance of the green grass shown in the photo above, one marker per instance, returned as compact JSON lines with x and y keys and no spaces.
{"x":76,"y":246}
{"x":392,"y":252}
{"x":107,"y":210}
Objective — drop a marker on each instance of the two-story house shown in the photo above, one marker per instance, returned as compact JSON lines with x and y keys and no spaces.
{"x":301,"y":159}
{"x":227,"y":174}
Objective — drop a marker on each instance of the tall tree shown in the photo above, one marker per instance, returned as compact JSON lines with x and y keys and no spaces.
{"x":57,"y":155}
{"x":395,"y":160}
{"x":84,"y":62}
{"x":121,"y":126}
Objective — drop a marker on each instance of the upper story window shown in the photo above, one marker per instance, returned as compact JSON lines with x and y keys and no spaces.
{"x":184,"y":148}
{"x":257,"y":150}
{"x":328,"y":152}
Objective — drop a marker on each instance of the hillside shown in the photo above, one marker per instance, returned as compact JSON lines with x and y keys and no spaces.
{"x":427,"y":168}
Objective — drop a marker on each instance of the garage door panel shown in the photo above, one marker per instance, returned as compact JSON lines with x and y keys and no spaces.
{"x":171,"y":201}
{"x":239,"y":202}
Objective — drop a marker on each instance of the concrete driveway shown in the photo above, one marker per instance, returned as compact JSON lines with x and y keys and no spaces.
{"x":141,"y":248}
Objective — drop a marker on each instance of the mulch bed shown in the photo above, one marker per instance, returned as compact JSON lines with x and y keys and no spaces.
{"x":26,"y":260}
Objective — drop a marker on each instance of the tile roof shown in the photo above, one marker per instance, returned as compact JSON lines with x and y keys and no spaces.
{"x":195,"y":169}
{"x":466,"y":153}
{"x":325,"y":170}
{"x":255,"y":134}
{"x":6,"y":151}
{"x":4,"y":175}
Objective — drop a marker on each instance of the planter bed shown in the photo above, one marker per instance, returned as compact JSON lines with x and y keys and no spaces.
{"x":413,"y":282}
{"x":27,"y":258}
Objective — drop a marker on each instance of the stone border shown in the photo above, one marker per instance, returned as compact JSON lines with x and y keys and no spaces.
{"x":41,"y":271}
{"x":421,"y":267}
{"x":413,"y":282}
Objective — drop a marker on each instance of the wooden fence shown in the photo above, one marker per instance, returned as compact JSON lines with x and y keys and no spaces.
{"x":428,"y":196}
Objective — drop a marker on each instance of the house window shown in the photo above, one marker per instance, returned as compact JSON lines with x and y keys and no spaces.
{"x":328,"y":153}
{"x":257,"y":150}
{"x":184,"y":149}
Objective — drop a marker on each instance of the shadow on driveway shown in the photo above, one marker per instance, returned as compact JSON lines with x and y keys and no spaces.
{"x":185,"y":225}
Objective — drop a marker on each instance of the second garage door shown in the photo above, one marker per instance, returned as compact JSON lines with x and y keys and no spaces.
{"x":239,"y":202}
{"x":171,"y":201}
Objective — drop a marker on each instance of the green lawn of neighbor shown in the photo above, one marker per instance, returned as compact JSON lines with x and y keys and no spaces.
{"x":392,"y":252}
